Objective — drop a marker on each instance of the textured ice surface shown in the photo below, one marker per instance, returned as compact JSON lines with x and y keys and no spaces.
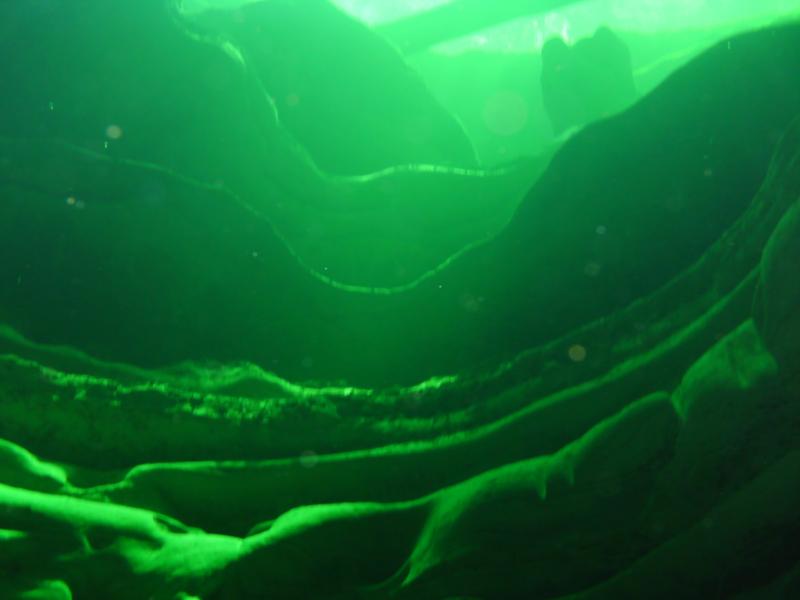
{"x":631,"y":433}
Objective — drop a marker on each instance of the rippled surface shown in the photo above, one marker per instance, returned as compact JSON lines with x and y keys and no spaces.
{"x":291,"y":311}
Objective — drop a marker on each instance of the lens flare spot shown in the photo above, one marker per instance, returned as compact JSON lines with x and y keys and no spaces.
{"x":577,"y":353}
{"x":506,"y":113}
{"x":113,"y":132}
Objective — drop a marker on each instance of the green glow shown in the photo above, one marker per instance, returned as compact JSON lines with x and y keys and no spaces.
{"x":302,"y":305}
{"x":376,"y":12}
{"x":251,"y":207}
{"x":528,"y":34}
{"x":372,"y":12}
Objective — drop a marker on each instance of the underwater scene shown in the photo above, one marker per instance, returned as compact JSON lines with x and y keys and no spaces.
{"x":399,"y":299}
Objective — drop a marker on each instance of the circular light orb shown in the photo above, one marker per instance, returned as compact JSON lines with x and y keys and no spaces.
{"x":506,"y":113}
{"x":577,"y":353}
{"x":113,"y":132}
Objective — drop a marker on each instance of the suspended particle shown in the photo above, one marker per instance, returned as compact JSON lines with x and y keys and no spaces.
{"x":75,"y":203}
{"x":113,"y":132}
{"x":577,"y":353}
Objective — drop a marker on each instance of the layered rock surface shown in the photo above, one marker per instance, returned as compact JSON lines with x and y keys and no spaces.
{"x":644,"y":445}
{"x":217,"y":244}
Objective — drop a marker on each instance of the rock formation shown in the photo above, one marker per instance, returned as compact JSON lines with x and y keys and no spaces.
{"x":162,"y":434}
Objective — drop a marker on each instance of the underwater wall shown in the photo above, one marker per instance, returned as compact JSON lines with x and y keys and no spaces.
{"x":272,"y":327}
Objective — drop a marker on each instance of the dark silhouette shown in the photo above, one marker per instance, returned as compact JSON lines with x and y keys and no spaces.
{"x":585,"y":82}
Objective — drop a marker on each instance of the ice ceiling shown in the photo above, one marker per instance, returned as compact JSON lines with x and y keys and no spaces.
{"x":580,"y":19}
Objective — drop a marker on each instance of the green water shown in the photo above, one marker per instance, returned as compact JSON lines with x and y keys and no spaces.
{"x":381,"y":299}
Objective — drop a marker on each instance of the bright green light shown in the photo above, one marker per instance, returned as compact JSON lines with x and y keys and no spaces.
{"x":371,"y":12}
{"x":375,"y":12}
{"x":527,"y":34}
